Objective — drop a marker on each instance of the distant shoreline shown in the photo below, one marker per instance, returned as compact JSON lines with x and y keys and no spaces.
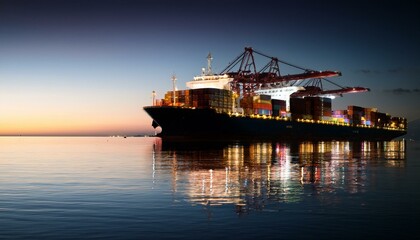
{"x":121,"y":136}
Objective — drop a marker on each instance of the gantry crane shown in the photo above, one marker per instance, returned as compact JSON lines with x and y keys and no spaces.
{"x":247,"y":78}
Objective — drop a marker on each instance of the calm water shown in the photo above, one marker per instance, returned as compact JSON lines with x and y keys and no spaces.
{"x":143,"y":188}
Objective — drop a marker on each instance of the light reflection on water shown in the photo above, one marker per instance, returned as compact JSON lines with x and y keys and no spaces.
{"x":250,"y":174}
{"x":146,"y":188}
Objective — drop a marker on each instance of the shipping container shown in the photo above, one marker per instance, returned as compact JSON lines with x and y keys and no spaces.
{"x":382,"y":119}
{"x":260,"y":111}
{"x":267,"y":106}
{"x":297,"y":106}
{"x":278,"y":107}
{"x":262,"y":98}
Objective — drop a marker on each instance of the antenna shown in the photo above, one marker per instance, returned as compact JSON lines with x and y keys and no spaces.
{"x":153,"y":97}
{"x":209,"y":59}
{"x":173,"y":89}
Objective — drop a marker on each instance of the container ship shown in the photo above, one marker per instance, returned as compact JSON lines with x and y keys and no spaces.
{"x":247,"y":103}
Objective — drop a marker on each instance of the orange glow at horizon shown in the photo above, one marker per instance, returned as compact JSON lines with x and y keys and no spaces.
{"x":75,"y":125}
{"x":69,"y":112}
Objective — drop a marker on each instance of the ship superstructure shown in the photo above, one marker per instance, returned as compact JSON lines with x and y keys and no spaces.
{"x":209,"y":80}
{"x":247,"y":102}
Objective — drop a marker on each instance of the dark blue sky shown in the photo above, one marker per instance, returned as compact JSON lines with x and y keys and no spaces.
{"x":60,"y":60}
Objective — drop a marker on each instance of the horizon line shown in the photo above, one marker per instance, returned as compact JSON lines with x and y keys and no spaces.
{"x":77,"y":135}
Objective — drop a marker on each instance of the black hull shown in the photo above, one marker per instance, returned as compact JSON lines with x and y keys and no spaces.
{"x":177,"y":122}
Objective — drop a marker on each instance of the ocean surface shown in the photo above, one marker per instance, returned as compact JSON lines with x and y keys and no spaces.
{"x":146,"y":188}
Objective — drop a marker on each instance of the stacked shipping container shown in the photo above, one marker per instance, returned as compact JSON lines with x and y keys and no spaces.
{"x":258,"y":104}
{"x":355,"y":114}
{"x":340,"y":116}
{"x":262,"y":104}
{"x":314,"y":108}
{"x":368,"y":116}
{"x":219,"y":99}
{"x":279,"y":108}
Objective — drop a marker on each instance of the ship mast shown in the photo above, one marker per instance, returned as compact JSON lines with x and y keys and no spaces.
{"x":173,"y":89}
{"x":209,"y":59}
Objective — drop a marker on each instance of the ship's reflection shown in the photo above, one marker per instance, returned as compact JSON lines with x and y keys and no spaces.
{"x":250,"y":175}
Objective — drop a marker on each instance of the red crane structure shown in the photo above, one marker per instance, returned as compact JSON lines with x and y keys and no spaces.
{"x":247,"y":78}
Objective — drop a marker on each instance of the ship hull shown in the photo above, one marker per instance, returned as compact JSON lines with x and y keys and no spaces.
{"x":178,"y":122}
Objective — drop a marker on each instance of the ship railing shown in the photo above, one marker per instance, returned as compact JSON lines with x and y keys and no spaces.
{"x":279,"y":118}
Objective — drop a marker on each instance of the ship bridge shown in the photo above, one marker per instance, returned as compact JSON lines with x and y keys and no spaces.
{"x":209,"y":80}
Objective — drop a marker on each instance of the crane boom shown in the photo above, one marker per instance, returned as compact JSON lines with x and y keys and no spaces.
{"x":316,"y":91}
{"x":302,"y":76}
{"x":247,"y":79}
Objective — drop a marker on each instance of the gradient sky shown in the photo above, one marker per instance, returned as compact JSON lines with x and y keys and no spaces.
{"x":88,"y":67}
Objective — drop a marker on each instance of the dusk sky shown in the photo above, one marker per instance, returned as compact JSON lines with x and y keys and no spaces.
{"x":89,"y":67}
